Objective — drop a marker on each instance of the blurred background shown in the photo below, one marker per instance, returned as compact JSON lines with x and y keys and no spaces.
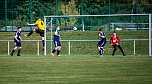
{"x":17,"y":12}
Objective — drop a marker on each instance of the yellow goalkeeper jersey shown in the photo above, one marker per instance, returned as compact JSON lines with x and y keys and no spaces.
{"x":40,"y":24}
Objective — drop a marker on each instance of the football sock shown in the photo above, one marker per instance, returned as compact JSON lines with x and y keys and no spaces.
{"x":30,"y":33}
{"x":12,"y":52}
{"x":53,"y":51}
{"x":58,"y":52}
{"x":43,"y":43}
{"x":100,"y":51}
{"x":19,"y":50}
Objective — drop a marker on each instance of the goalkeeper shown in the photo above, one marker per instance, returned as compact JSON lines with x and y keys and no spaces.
{"x":40,"y":30}
{"x":115,"y":42}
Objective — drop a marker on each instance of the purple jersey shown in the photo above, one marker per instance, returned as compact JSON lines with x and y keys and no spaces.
{"x":57,"y":38}
{"x":18,"y":36}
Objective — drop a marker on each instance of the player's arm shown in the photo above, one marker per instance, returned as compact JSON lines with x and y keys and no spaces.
{"x":118,"y":39}
{"x":57,"y":35}
{"x":20,"y":39}
{"x":31,"y":24}
{"x":17,"y":39}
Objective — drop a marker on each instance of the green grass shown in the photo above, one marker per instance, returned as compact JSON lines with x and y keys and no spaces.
{"x":75,"y":70}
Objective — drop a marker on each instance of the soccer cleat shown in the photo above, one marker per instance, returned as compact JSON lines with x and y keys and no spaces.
{"x":52,"y":54}
{"x":26,"y":36}
{"x":101,"y":55}
{"x":11,"y":54}
{"x":59,"y":55}
{"x":18,"y":55}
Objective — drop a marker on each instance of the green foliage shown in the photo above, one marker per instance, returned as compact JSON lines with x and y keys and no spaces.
{"x":20,"y":10}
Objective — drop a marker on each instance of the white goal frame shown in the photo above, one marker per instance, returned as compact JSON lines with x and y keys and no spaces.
{"x":108,"y":15}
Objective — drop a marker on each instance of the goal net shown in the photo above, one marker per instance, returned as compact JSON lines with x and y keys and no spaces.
{"x":79,"y":33}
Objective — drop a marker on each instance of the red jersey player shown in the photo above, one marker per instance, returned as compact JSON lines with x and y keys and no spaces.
{"x":115,"y":42}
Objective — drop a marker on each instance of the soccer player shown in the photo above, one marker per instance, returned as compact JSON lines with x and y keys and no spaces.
{"x":57,"y":43}
{"x":115,"y":42}
{"x":102,"y":42}
{"x":40,"y":30}
{"x":17,"y":41}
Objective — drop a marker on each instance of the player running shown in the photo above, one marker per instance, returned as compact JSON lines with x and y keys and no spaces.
{"x":17,"y":41}
{"x":57,"y":43}
{"x":115,"y":42}
{"x":102,"y":42}
{"x":40,"y":30}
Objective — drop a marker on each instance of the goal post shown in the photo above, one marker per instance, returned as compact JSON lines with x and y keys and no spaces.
{"x":149,"y":34}
{"x":51,"y":18}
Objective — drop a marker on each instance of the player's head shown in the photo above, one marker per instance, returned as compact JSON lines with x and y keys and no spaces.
{"x":114,"y":33}
{"x":100,"y":30}
{"x":57,"y":28}
{"x":19,"y":28}
{"x":38,"y":18}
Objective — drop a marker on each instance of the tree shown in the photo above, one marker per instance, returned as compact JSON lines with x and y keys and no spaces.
{"x":69,"y":9}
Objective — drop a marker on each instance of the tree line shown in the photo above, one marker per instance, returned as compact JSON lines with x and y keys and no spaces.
{"x":19,"y":10}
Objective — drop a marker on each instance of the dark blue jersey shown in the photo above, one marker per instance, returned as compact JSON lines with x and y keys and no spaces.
{"x":57,"y":38}
{"x":18,"y":36}
{"x":102,"y":36}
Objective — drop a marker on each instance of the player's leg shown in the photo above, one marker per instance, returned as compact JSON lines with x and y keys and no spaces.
{"x":99,"y":48}
{"x":42,"y":35}
{"x":59,"y":48}
{"x":31,"y":32}
{"x":13,"y":51}
{"x":54,"y":50}
{"x":121,"y":50}
{"x":19,"y":50}
{"x":102,"y":46}
{"x":16,"y":45}
{"x":114,"y":50}
{"x":43,"y":43}
{"x":58,"y":51}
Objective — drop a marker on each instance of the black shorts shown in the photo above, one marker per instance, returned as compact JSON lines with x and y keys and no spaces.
{"x":101,"y":43}
{"x":41,"y":32}
{"x":57,"y":43}
{"x":18,"y":44}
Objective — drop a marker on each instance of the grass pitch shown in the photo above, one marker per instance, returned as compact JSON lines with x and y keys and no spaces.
{"x":75,"y":70}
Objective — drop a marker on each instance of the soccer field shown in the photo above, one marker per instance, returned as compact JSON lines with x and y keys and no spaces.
{"x":75,"y":70}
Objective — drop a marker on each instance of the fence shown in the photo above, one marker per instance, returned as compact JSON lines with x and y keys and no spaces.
{"x":68,"y":49}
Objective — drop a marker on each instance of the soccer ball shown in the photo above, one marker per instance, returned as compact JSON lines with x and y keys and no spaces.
{"x":74,"y":28}
{"x":118,"y":29}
